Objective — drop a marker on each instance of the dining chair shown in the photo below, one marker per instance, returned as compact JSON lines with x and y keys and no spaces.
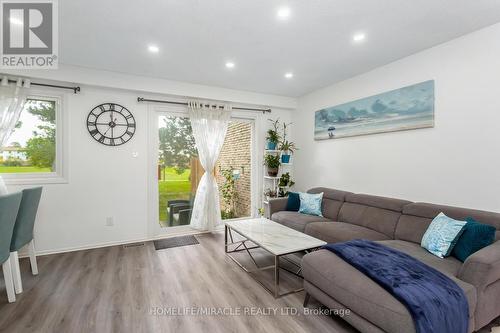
{"x":9,"y":206}
{"x":23,"y":234}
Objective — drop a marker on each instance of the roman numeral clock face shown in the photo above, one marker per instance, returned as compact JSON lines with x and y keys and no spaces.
{"x":111,"y":124}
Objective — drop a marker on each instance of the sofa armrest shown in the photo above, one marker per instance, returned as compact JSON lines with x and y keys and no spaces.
{"x":483,"y":267}
{"x":277,"y":205}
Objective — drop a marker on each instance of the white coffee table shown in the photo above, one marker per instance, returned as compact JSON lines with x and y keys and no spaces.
{"x":273,"y":237}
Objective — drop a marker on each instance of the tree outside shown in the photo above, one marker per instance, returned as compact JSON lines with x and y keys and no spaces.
{"x":33,"y":145}
{"x":176,"y":151}
{"x":177,"y":145}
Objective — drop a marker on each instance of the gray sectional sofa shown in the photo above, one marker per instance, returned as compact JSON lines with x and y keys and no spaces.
{"x":399,"y":224}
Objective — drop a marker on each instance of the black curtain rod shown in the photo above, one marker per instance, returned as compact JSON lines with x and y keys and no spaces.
{"x":75,"y":89}
{"x":142,"y":99}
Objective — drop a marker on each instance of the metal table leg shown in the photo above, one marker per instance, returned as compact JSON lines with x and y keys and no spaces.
{"x":276,"y":292}
{"x":225,"y":238}
{"x":276,"y":276}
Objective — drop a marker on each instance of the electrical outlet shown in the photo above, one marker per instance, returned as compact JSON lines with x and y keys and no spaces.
{"x":110,"y":221}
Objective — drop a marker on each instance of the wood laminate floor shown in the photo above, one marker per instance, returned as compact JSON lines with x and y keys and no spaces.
{"x":116,"y":289}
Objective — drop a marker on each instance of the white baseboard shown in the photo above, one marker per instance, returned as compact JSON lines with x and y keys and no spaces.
{"x":24,"y":254}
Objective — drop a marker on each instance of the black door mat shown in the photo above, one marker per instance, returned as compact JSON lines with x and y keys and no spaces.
{"x":175,"y":242}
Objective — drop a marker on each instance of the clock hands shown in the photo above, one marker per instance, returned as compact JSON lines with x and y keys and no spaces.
{"x":111,"y":125}
{"x":108,"y":124}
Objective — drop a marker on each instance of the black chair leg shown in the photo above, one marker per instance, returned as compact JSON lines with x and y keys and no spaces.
{"x":306,"y":300}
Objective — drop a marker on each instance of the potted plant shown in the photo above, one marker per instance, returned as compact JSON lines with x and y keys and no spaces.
{"x":229,"y":192}
{"x":272,"y":162}
{"x":261,"y":212}
{"x":287,"y":147}
{"x":273,"y":137}
{"x":284,"y":183}
{"x":270,"y":194}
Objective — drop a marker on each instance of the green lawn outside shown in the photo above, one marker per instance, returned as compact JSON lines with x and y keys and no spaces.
{"x":22,"y":169}
{"x":174,"y":186}
{"x":171,"y":174}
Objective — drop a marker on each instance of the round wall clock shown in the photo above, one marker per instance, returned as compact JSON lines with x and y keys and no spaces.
{"x":111,"y":124}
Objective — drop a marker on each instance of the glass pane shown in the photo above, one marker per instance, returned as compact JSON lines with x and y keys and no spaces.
{"x":32,"y":145}
{"x":234,"y":169}
{"x":179,"y":170}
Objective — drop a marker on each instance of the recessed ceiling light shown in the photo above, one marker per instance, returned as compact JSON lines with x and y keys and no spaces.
{"x":153,"y":49}
{"x":230,"y":64}
{"x":289,"y":75}
{"x":283,"y":13}
{"x":359,"y":37}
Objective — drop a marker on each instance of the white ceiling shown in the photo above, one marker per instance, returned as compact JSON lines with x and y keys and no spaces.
{"x":197,"y":37}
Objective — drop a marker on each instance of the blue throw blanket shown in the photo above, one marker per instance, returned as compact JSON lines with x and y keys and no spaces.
{"x":436,"y":303}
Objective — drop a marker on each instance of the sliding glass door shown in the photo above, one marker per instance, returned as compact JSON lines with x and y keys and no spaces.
{"x":176,"y":170}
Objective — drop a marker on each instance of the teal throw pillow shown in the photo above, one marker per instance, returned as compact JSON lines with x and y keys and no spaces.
{"x":293,"y":203}
{"x":475,"y":236}
{"x":310,"y":203}
{"x":442,"y":234}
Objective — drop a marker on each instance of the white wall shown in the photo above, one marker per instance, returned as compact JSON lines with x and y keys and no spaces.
{"x":149,"y":85}
{"x":457,"y":162}
{"x":109,"y":181}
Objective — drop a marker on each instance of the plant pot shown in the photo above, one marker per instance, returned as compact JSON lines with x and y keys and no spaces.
{"x":285,"y":158}
{"x":273,"y":172}
{"x":271,"y":145}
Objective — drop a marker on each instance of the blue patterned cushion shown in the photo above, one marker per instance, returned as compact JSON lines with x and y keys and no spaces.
{"x":310,"y":203}
{"x":442,"y":234}
{"x":475,"y":236}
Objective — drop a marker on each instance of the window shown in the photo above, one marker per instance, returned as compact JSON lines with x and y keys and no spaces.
{"x":33,"y":153}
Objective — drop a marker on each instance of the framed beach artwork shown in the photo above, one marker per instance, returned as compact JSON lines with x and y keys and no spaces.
{"x":402,"y":109}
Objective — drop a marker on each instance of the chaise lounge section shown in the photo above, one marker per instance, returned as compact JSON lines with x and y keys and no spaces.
{"x":399,"y":224}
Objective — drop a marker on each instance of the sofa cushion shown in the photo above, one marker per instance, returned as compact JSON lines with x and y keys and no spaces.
{"x":411,"y":228}
{"x":448,"y":265}
{"x":336,"y":232}
{"x":356,"y":291}
{"x":417,"y":217}
{"x":393,"y":204}
{"x":377,"y":213}
{"x":296,"y":220}
{"x":332,"y":201}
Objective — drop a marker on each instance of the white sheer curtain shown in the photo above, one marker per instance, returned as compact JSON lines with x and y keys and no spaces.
{"x":12,"y":100}
{"x":209,"y":124}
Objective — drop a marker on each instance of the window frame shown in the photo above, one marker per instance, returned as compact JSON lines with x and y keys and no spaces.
{"x":59,"y":176}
